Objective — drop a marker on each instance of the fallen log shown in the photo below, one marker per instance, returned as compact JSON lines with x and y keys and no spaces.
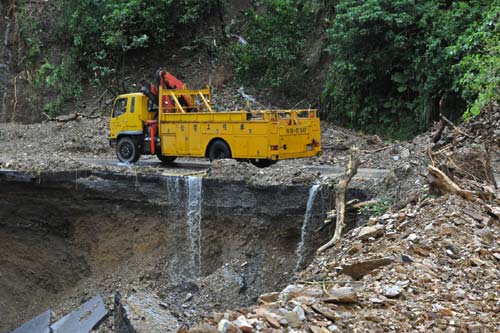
{"x":340,"y":190}
{"x":444,"y":184}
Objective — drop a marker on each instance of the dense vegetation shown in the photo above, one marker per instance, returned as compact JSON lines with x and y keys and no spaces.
{"x":100,"y":34}
{"x":394,"y":65}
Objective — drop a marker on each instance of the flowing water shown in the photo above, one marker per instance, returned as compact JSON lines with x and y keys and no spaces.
{"x":173,"y":185}
{"x":6,"y":43}
{"x":194,"y":221}
{"x":299,"y":251}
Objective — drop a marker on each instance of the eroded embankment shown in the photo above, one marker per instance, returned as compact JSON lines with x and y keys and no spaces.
{"x":66,"y":237}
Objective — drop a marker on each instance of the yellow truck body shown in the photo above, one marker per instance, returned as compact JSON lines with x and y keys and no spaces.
{"x":189,"y":127}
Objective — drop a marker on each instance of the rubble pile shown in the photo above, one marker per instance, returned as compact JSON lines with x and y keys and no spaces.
{"x":53,"y":145}
{"x":431,"y":266}
{"x":276,"y":174}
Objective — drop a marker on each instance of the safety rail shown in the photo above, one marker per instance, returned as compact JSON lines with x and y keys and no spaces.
{"x":185,"y":100}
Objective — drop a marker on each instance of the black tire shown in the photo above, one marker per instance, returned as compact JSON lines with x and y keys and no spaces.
{"x":219,"y":150}
{"x":166,"y":159}
{"x":127,"y":150}
{"x":262,"y":163}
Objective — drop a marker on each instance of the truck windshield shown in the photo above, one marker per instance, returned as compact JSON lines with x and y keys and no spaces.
{"x":120,"y":107}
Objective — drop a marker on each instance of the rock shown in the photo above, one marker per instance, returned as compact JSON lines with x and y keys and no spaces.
{"x":242,"y":324}
{"x":300,"y":312}
{"x":391,"y":291}
{"x":290,"y":292}
{"x":372,"y":221}
{"x":269,"y":297}
{"x":359,"y":269}
{"x":188,"y":297}
{"x":293,"y":319}
{"x":147,"y":315}
{"x":333,"y":328}
{"x":377,"y":300}
{"x":371,"y":231}
{"x":486,"y":235}
{"x":202,"y":329}
{"x":405,"y":153}
{"x":315,"y":329}
{"x":272,"y":321}
{"x":355,"y":248}
{"x":225,"y":326}
{"x":412,"y":237}
{"x":326,"y":312}
{"x":342,"y":295}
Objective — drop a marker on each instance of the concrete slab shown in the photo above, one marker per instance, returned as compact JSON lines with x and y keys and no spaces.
{"x":83,"y":319}
{"x":39,"y":324}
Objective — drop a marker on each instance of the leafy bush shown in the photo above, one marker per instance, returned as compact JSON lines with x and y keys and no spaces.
{"x":103,"y":32}
{"x":272,"y":56}
{"x":62,"y":81}
{"x":479,"y":68}
{"x":391,"y":64}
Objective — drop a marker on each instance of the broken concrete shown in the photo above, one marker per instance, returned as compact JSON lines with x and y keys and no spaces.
{"x":39,"y":324}
{"x":83,"y":319}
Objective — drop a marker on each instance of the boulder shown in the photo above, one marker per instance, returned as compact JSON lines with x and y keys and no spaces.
{"x":371,"y":231}
{"x":342,"y":295}
{"x":359,"y":269}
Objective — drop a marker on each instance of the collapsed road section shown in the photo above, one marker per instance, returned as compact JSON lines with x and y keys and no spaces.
{"x":190,"y":244}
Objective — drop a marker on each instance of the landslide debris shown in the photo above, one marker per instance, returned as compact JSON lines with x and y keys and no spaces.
{"x":432,"y":265}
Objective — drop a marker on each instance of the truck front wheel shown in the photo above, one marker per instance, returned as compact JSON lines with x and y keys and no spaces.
{"x":127,"y":150}
{"x":219,"y":150}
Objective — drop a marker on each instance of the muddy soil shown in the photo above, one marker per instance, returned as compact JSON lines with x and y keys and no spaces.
{"x":65,"y":241}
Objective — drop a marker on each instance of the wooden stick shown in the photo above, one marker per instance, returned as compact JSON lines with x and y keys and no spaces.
{"x":340,"y":190}
{"x":445,"y":184}
{"x":364,"y":203}
{"x":449,"y":123}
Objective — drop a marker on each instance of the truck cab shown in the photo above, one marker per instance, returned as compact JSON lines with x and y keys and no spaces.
{"x":130,"y":112}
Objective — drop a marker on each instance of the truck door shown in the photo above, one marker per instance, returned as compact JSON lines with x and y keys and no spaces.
{"x":118,"y":122}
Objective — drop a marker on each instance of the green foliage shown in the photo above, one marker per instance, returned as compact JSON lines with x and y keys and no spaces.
{"x":479,"y":68}
{"x":103,"y":32}
{"x":28,"y":29}
{"x":62,"y":81}
{"x":377,"y":209}
{"x":391,"y":64}
{"x":275,"y":39}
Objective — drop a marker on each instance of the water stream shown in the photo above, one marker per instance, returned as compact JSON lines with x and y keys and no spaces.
{"x":299,"y":251}
{"x":194,"y":197}
{"x":6,"y":42}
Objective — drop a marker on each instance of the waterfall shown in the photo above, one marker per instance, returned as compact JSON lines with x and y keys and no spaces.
{"x":6,"y":43}
{"x":173,"y":185}
{"x":194,"y":221}
{"x":299,"y":251}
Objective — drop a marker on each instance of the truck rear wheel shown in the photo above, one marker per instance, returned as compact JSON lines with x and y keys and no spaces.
{"x":166,"y":159}
{"x":262,"y":162}
{"x":219,"y":150}
{"x":127,"y":150}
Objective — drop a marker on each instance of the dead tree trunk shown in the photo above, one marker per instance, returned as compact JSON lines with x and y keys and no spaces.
{"x":340,"y":190}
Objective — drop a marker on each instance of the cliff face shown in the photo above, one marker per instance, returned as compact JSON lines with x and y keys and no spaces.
{"x":65,"y":236}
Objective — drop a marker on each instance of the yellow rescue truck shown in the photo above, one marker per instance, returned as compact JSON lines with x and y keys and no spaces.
{"x":170,"y":121}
